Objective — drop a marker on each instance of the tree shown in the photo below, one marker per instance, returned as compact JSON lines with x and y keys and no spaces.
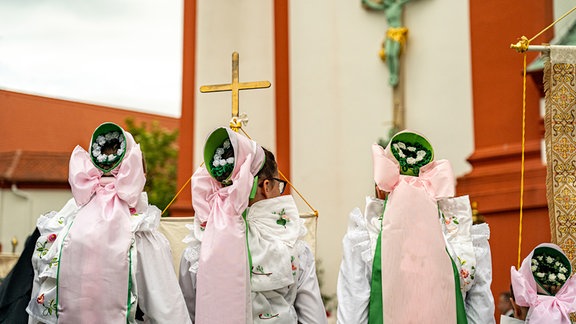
{"x":161,"y":155}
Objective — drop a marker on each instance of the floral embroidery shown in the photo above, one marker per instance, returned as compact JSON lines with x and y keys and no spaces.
{"x":40,"y":299}
{"x":41,"y":249}
{"x":60,"y":220}
{"x":51,"y":308}
{"x":449,"y":219}
{"x":282,"y":218}
{"x":267,"y":316}
{"x":294,"y":268}
{"x":53,"y":262}
{"x":132,"y":211}
{"x":466,"y":273}
{"x":260,"y":271}
{"x":203,"y":225}
{"x":52,"y":238}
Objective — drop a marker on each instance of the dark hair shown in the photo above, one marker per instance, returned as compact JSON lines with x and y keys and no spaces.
{"x":270,"y":168}
{"x":512,"y":293}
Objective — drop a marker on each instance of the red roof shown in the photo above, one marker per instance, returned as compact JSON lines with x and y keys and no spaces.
{"x":39,"y":133}
{"x":34,"y":168}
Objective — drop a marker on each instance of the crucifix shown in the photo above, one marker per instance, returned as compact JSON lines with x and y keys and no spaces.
{"x":391,"y":53}
{"x":235,"y":87}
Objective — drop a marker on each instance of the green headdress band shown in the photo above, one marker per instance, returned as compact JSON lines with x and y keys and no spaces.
{"x":412,"y":151}
{"x":220,"y":159}
{"x":107,"y":147}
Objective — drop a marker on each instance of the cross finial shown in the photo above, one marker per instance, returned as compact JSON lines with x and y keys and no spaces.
{"x":235,"y":87}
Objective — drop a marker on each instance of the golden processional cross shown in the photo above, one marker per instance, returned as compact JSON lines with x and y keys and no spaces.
{"x":235,"y":87}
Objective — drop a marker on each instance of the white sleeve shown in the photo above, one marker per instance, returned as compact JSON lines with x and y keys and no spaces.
{"x":159,"y":295}
{"x":187,"y":282}
{"x":509,"y":320}
{"x":308,"y":303}
{"x":355,"y":275}
{"x":479,"y":300}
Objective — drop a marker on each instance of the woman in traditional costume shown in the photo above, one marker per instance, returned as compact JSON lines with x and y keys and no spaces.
{"x":246,"y":262}
{"x":414,"y":246}
{"x":101,"y":256}
{"x":543,"y":286}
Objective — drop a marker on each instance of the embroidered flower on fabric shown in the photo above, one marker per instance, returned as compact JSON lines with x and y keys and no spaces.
{"x":467,"y":273}
{"x":203,"y":225}
{"x":51,"y":308}
{"x":53,"y":262}
{"x":282,"y":217}
{"x":450,"y":221}
{"x":40,"y":299}
{"x":52,"y":238}
{"x":267,"y":316}
{"x":259,"y":271}
{"x":41,"y":249}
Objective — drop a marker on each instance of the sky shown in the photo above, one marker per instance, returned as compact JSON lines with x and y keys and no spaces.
{"x":118,"y":53}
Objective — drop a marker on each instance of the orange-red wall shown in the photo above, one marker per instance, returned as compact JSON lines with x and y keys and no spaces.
{"x":494,"y":181}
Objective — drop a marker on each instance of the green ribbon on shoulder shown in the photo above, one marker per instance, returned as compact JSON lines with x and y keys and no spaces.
{"x":460,"y":307}
{"x":247,"y":244}
{"x":375,"y":306}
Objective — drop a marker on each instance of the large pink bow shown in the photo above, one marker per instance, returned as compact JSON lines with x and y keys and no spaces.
{"x":93,"y":280}
{"x":413,"y":255}
{"x":223,"y":278}
{"x":543,"y":308}
{"x":436,"y":177}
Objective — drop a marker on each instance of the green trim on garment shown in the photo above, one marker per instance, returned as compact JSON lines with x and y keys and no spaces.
{"x":247,"y":244}
{"x":375,"y":305}
{"x":460,"y":308}
{"x":59,"y":264}
{"x":254,"y":188}
{"x":129,"y":304}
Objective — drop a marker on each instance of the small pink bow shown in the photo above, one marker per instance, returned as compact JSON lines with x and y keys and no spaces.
{"x":437,"y":177}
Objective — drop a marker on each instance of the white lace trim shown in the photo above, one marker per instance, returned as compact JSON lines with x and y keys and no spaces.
{"x":480,"y":232}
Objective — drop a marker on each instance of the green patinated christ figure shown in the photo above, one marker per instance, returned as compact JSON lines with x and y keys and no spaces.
{"x":395,"y":34}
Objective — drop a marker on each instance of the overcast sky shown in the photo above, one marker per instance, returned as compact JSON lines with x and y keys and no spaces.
{"x":121,"y":53}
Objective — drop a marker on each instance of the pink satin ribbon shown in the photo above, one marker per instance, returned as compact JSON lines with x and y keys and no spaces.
{"x":414,"y":259}
{"x":94,"y":265}
{"x":543,"y":309}
{"x":223,"y":279}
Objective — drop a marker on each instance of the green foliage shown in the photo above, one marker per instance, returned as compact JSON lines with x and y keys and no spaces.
{"x":161,"y":155}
